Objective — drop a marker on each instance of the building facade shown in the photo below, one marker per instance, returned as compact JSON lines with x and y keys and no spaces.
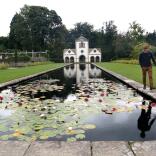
{"x":82,"y":53}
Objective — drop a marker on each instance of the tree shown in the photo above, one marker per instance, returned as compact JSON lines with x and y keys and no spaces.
{"x":136,"y":33}
{"x":19,"y":37}
{"x":85,"y":29}
{"x":37,"y":28}
{"x":109,"y":35}
{"x":151,"y":38}
{"x":57,"y":43}
{"x":123,"y":47}
{"x":3,"y":43}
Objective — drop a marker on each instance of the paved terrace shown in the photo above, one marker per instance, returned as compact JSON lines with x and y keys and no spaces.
{"x":80,"y":148}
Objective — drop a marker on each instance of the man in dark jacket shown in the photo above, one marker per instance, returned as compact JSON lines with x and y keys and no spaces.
{"x":145,"y":62}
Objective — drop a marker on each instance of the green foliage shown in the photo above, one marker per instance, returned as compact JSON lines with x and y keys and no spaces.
{"x":84,"y":29}
{"x":109,"y":31}
{"x":3,"y":43}
{"x":19,"y":58}
{"x":151,"y":38}
{"x":132,"y":61}
{"x":19,"y":37}
{"x":4,"y":65}
{"x":139,"y":48}
{"x":37,"y":63}
{"x":37,"y":28}
{"x":136,"y":33}
{"x":123,"y":46}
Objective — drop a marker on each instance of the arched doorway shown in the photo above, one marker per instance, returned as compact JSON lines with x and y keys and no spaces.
{"x":92,"y":59}
{"x":72,"y":60}
{"x":97,"y":59}
{"x":66,"y":59}
{"x":82,"y":59}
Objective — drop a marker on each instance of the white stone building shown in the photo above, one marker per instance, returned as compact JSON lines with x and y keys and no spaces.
{"x":82,"y":53}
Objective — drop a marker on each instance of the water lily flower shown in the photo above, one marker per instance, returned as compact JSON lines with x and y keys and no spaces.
{"x":153,"y":104}
{"x":70,"y":128}
{"x":42,"y":115}
{"x":114,"y":109}
{"x":1,"y":98}
{"x":102,"y":94}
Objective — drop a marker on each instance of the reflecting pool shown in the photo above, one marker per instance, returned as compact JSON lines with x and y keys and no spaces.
{"x":77,"y":102}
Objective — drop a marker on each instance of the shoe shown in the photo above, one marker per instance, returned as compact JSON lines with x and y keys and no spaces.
{"x":144,"y":87}
{"x":151,"y":88}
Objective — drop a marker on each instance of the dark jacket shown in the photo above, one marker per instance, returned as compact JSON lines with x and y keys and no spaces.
{"x":145,"y":59}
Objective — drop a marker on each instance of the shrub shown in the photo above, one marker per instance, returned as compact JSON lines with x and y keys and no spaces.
{"x":20,"y":58}
{"x":132,"y":61}
{"x":37,"y":63}
{"x":139,"y":48}
{"x":4,"y":65}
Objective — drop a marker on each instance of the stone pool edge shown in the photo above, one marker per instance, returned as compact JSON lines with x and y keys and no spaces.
{"x":135,"y":85}
{"x":79,"y":148}
{"x":25,"y":78}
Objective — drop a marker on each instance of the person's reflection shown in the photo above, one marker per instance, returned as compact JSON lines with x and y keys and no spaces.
{"x":145,"y":122}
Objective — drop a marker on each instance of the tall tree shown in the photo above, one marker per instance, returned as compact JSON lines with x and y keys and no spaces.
{"x":136,"y":33}
{"x":151,"y":38}
{"x":19,"y":37}
{"x":123,"y":47}
{"x":109,"y":35}
{"x":85,"y":29}
{"x":3,"y":43}
{"x":37,"y":28}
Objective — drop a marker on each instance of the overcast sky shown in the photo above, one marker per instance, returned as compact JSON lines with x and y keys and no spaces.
{"x":94,"y":12}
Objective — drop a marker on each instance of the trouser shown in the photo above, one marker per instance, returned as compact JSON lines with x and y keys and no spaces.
{"x":144,"y":71}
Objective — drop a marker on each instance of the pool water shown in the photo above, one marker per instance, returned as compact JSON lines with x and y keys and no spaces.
{"x":77,"y":102}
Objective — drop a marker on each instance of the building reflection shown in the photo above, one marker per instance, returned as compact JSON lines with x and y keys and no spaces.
{"x":82,"y":72}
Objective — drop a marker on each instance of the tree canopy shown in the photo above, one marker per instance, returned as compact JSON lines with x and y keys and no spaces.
{"x":37,"y":28}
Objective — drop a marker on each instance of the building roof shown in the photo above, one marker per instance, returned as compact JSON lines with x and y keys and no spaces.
{"x":81,"y":38}
{"x":73,"y":50}
{"x":91,"y":49}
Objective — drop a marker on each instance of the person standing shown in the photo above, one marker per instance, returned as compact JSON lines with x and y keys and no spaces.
{"x":145,"y":58}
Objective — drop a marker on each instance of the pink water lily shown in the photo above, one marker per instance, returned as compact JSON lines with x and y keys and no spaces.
{"x":153,"y":104}
{"x":102,"y":94}
{"x":1,"y":98}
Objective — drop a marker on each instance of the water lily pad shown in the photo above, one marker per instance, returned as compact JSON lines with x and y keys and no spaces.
{"x":80,"y":136}
{"x":89,"y":126}
{"x":4,"y":137}
{"x":3,"y":128}
{"x":71,"y":139}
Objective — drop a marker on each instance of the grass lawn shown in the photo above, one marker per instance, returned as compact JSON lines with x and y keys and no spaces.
{"x":11,"y":74}
{"x":130,"y":71}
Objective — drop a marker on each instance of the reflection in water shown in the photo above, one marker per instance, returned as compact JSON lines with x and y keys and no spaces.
{"x":82,"y":67}
{"x":82,"y":72}
{"x":70,"y":71}
{"x":145,"y":122}
{"x":54,"y":107}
